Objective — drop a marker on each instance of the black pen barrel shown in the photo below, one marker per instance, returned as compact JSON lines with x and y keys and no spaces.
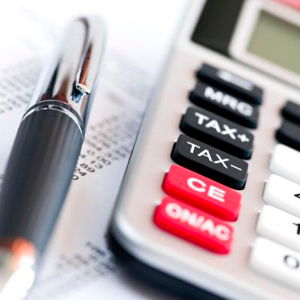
{"x":38,"y":175}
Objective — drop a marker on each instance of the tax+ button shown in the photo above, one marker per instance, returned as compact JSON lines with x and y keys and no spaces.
{"x":213,"y":129}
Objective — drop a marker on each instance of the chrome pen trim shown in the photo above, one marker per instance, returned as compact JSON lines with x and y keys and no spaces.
{"x":56,"y":107}
{"x":71,"y":74}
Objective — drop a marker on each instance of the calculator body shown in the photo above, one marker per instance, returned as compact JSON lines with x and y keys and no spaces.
{"x":228,"y":276}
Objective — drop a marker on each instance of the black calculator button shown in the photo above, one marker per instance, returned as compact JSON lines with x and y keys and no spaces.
{"x":210,"y":162}
{"x":231,"y":83}
{"x":291,"y":111}
{"x":217,"y":131}
{"x":223,"y":104}
{"x":289,"y":134}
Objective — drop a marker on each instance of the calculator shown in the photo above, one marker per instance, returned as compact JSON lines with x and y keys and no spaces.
{"x":211,"y":196}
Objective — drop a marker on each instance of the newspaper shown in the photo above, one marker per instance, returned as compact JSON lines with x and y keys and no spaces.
{"x":78,"y":263}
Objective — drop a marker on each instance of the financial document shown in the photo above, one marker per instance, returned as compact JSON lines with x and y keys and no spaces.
{"x":78,"y":263}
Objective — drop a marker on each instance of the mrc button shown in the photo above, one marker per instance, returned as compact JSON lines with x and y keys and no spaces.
{"x":231,"y":83}
{"x":202,"y":192}
{"x":193,"y":225}
{"x":210,"y":162}
{"x":226,"y":105}
{"x":214,"y":130}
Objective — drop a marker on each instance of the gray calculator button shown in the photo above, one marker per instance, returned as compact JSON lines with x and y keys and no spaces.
{"x":217,"y":131}
{"x":210,"y":162}
{"x":231,"y":83}
{"x":223,"y":104}
{"x":289,"y":134}
{"x":285,"y":162}
{"x":276,"y":261}
{"x":291,"y":111}
{"x":279,"y":226}
{"x":283,"y":194}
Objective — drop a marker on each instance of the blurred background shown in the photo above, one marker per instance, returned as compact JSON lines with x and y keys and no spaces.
{"x":78,"y":263}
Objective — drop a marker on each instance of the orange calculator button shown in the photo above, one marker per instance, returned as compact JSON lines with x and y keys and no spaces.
{"x":202,"y":192}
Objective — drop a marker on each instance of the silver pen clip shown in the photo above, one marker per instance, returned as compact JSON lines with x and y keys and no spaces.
{"x":70,"y":78}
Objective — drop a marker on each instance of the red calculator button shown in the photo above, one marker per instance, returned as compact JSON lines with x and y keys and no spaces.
{"x":203,"y":193}
{"x":193,"y":225}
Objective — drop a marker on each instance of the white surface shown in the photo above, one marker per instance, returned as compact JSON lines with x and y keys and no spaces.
{"x":78,"y":263}
{"x":275,"y":261}
{"x":246,"y":24}
{"x":279,"y":226}
{"x":285,"y":162}
{"x":281,"y":193}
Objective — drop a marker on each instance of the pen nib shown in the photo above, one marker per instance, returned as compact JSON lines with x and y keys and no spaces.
{"x":17,"y":272}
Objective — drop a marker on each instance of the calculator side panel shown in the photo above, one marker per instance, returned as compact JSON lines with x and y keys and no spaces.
{"x":229,"y":276}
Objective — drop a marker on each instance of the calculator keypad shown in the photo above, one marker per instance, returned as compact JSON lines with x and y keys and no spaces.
{"x":213,"y":146}
{"x":215,"y":130}
{"x":279,"y":221}
{"x":202,"y":192}
{"x":194,"y":225}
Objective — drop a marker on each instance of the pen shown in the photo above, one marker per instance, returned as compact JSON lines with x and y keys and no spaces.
{"x":44,"y":154}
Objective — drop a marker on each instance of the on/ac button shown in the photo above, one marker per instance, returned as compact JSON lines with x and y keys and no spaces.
{"x":193,"y":225}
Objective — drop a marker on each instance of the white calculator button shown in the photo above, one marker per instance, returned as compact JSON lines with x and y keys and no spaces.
{"x":280,"y":227}
{"x":285,"y":162}
{"x":276,"y":261}
{"x":283,"y":194}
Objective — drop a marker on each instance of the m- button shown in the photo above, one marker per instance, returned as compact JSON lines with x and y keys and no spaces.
{"x":202,"y":192}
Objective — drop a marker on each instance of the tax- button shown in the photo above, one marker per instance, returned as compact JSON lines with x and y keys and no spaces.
{"x":193,"y":225}
{"x":202,"y":192}
{"x":215,"y":130}
{"x":285,"y":162}
{"x":280,"y":227}
{"x":275,"y":261}
{"x":283,"y":194}
{"x":210,"y":162}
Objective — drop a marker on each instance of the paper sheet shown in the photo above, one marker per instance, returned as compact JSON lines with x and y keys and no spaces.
{"x":78,"y":264}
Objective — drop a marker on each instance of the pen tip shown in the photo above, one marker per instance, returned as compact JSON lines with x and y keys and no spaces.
{"x":17,"y":269}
